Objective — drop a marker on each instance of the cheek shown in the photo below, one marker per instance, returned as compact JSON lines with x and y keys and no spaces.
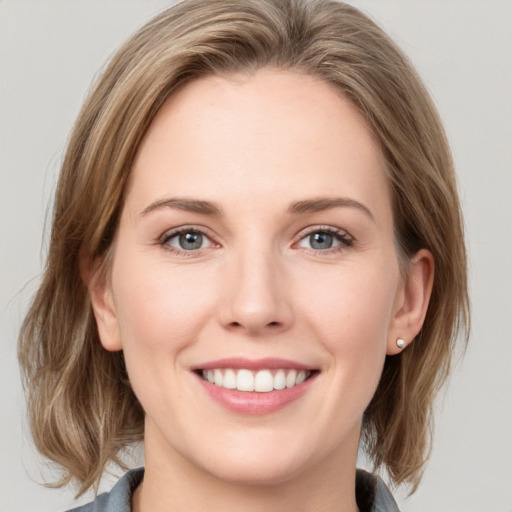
{"x":159,"y":307}
{"x":351,"y":314}
{"x":160,"y":312}
{"x":354,"y":300}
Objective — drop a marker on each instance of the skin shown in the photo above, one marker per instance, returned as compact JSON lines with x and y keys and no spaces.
{"x":254,"y":146}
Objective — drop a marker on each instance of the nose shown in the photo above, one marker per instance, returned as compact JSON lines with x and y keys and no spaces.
{"x":257,"y":297}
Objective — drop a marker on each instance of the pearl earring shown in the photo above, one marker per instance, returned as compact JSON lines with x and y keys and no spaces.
{"x":400,"y":342}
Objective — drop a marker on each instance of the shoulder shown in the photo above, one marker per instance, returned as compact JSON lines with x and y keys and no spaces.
{"x":372,"y":494}
{"x":119,"y":498}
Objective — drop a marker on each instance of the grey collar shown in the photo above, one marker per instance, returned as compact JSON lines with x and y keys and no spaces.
{"x":372,"y":495}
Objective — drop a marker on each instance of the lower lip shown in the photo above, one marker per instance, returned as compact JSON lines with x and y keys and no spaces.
{"x":252,"y":402}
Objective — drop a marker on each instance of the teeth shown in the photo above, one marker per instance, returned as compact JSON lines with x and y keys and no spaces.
{"x":217,"y":377}
{"x":229,"y":379}
{"x":291,"y":379}
{"x":280,"y":380}
{"x":262,"y":381}
{"x":301,"y":377}
{"x":245,"y":381}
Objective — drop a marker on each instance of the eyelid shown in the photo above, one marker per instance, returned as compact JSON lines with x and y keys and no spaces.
{"x":188,"y":228}
{"x":346,"y":239}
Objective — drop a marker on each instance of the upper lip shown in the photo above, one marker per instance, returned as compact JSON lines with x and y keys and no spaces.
{"x":253,"y":364}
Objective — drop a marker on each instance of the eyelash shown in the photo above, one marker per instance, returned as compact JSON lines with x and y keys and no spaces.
{"x":341,"y":236}
{"x":165,"y":239}
{"x":344,"y":239}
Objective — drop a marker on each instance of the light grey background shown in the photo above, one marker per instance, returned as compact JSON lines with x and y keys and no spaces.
{"x":49,"y":52}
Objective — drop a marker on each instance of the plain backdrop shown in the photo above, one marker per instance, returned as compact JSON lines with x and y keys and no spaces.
{"x":49,"y":52}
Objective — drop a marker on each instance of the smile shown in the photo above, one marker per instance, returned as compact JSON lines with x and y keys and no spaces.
{"x":255,"y":386}
{"x":261,"y":381}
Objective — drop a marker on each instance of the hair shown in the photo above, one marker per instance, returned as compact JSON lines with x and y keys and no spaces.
{"x":82,"y":409}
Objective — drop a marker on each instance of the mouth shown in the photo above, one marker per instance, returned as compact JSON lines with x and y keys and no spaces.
{"x":255,"y":386}
{"x":259,"y":381}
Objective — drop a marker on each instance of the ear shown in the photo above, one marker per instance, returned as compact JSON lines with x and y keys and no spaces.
{"x":100,"y":292}
{"x":412,"y":302}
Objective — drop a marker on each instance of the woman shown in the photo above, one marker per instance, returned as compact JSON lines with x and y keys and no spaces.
{"x":257,"y":262}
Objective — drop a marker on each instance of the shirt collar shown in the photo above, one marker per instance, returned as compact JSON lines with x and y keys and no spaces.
{"x":372,"y":495}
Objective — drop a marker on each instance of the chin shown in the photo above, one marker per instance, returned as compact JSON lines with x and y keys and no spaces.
{"x":260,"y":463}
{"x":257,"y":473}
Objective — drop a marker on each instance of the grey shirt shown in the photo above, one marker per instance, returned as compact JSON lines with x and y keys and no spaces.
{"x":372,"y":495}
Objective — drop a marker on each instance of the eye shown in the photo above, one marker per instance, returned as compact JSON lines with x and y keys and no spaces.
{"x":187,"y":240}
{"x":324,"y":239}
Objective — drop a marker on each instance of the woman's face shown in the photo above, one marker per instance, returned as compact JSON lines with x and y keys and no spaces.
{"x":255,"y":249}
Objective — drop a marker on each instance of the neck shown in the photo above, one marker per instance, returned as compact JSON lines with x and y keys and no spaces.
{"x":174,"y":483}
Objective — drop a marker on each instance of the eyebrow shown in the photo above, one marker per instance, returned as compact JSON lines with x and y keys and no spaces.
{"x":188,"y":205}
{"x":298,"y":207}
{"x":321,"y":204}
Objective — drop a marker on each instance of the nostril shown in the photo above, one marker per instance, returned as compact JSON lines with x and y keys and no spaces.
{"x":240,"y":325}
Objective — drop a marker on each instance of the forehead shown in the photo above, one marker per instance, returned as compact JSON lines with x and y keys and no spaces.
{"x":274,"y":130}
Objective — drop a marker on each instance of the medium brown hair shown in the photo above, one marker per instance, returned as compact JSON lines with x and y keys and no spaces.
{"x":82,"y":409}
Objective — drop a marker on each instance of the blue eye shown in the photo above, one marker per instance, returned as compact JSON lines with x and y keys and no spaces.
{"x":321,"y":241}
{"x":325,"y":239}
{"x":188,"y":240}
